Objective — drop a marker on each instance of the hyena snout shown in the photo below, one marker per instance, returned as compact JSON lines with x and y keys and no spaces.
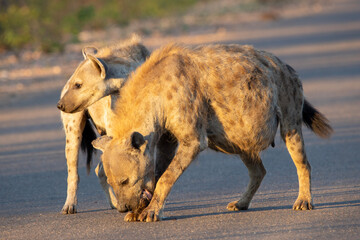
{"x":61,"y":105}
{"x":123,"y":208}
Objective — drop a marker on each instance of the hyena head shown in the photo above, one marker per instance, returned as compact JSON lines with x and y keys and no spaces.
{"x":87,"y":85}
{"x":129,"y":170}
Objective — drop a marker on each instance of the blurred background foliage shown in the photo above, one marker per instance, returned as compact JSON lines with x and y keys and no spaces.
{"x":49,"y":24}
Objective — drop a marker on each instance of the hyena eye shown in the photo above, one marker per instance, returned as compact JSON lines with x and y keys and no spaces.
{"x":124,"y":181}
{"x":78,"y":85}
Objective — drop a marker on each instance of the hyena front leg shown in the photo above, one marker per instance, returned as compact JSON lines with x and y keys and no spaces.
{"x":186,"y":152}
{"x":256,"y":173}
{"x":73,"y":125}
{"x":295,"y":145}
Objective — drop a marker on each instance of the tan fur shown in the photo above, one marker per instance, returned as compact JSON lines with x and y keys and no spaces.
{"x":230,"y":98}
{"x":83,"y":103}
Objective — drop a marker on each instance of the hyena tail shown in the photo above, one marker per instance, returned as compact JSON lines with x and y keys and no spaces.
{"x":316,"y":121}
{"x":88,"y":135}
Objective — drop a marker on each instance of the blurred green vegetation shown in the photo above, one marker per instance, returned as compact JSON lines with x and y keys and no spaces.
{"x":49,"y":24}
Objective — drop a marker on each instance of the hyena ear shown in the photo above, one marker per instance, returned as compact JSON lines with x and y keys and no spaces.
{"x":89,"y":50}
{"x":100,"y":64}
{"x":137,"y":140}
{"x":101,"y":142}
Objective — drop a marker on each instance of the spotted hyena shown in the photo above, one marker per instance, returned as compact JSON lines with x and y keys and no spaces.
{"x":229,"y":98}
{"x":85,"y":99}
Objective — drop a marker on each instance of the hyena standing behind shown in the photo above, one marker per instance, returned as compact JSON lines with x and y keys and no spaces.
{"x":83,"y":99}
{"x":230,"y":98}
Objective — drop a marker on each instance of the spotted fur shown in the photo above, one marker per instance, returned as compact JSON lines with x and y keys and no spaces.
{"x":230,"y":98}
{"x":89,"y":105}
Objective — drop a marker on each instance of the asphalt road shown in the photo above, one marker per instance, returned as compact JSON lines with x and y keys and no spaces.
{"x":323,"y":47}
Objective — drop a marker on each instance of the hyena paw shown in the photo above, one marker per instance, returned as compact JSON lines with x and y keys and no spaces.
{"x":69,"y":209}
{"x":150,"y":215}
{"x":237,"y":206}
{"x":303,"y":204}
{"x":131,"y":217}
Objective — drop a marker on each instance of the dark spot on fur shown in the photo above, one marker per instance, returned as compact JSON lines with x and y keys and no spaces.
{"x":241,"y":123}
{"x":230,"y":60}
{"x":234,"y":100}
{"x":183,"y":108}
{"x":257,"y":71}
{"x":245,"y":105}
{"x":297,"y":139}
{"x":70,"y":129}
{"x":242,"y":70}
{"x":232,"y":83}
{"x":300,"y":150}
{"x":218,"y":85}
{"x":168,"y":78}
{"x":190,"y":120}
{"x":292,"y":148}
{"x":186,"y":143}
{"x":231,"y":122}
{"x":169,"y":95}
{"x":249,"y":85}
{"x":174,"y":87}
{"x":67,"y":141}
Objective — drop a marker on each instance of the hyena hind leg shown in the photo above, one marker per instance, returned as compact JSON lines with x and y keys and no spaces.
{"x":256,"y":173}
{"x":295,"y":145}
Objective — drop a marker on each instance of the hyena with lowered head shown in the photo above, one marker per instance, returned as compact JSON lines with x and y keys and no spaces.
{"x":85,"y":101}
{"x":229,"y":98}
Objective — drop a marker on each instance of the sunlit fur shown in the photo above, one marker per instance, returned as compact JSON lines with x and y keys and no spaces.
{"x":230,"y":98}
{"x":121,"y":58}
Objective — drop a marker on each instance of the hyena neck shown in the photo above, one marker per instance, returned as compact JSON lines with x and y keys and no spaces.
{"x":117,"y":76}
{"x":135,"y":113}
{"x":113,"y":85}
{"x":122,"y":69}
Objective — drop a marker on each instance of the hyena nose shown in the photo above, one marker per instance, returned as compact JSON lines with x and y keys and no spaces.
{"x":60,"y":106}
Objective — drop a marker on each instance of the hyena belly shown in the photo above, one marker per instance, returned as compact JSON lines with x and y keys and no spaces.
{"x":245,"y":119}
